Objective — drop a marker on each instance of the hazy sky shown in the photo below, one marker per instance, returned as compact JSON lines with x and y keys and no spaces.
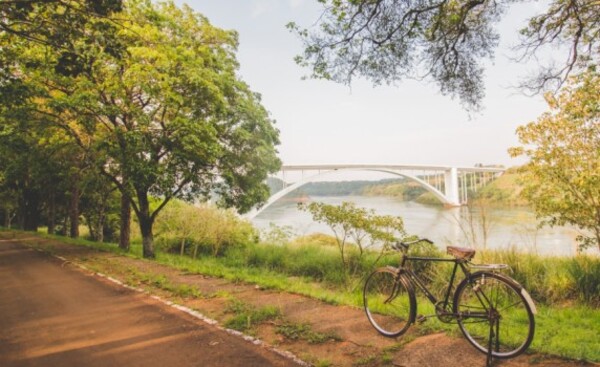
{"x":410,"y":123}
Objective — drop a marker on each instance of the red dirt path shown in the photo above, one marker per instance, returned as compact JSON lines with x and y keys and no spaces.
{"x":53,"y":315}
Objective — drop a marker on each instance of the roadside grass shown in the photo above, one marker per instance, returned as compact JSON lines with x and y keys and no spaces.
{"x":566,"y":289}
{"x":303,"y":331}
{"x":246,"y":317}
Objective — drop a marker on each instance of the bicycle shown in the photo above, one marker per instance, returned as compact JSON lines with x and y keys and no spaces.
{"x":493,"y":311}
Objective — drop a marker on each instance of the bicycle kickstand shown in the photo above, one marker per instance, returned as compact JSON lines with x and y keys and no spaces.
{"x":492,"y":336}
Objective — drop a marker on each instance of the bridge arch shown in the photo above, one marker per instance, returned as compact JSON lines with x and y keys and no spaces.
{"x":280,"y":194}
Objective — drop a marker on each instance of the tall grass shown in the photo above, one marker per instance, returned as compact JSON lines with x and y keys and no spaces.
{"x":552,"y":279}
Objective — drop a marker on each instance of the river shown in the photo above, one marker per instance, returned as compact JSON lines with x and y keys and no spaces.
{"x":508,"y":228}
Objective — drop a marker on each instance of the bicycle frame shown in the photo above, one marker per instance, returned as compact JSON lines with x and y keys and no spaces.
{"x":414,"y":279}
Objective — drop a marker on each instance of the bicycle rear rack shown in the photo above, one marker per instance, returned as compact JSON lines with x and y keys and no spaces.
{"x":489,"y":267}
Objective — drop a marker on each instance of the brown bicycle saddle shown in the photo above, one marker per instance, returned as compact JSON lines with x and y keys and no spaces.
{"x":461,"y":253}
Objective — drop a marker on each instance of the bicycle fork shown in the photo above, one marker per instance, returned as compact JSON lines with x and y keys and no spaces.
{"x":394,"y":292}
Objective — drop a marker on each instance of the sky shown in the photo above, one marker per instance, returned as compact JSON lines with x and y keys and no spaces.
{"x":321,"y":122}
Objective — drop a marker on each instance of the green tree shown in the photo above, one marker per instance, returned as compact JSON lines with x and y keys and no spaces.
{"x":171,"y":119}
{"x":359,"y":227}
{"x":57,"y":24}
{"x":444,"y":40}
{"x":562,"y":178}
{"x":99,"y":206}
{"x":61,"y":26}
{"x":35,"y":165}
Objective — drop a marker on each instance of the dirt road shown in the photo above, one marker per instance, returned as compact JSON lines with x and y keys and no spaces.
{"x":54,"y":315}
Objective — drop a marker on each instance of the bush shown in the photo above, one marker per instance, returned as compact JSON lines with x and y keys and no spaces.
{"x":585,"y":274}
{"x":203,"y":229}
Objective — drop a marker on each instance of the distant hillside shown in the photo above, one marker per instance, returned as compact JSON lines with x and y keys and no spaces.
{"x":401,"y":189}
{"x":504,"y":191}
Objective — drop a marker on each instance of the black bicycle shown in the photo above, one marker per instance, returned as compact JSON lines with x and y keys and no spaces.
{"x":494,"y":312}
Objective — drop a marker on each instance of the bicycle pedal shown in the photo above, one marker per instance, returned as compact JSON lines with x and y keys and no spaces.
{"x":421,"y":319}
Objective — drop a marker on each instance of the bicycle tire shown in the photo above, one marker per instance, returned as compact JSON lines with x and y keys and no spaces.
{"x":486,"y":302}
{"x":389,"y":302}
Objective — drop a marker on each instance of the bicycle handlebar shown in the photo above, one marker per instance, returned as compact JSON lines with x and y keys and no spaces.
{"x":404,"y":245}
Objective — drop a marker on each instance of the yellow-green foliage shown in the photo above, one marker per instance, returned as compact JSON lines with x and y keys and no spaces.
{"x":504,"y":191}
{"x":317,"y":239}
{"x":562,"y":176}
{"x":394,"y":190}
{"x":428,"y":198}
{"x":204,"y":228}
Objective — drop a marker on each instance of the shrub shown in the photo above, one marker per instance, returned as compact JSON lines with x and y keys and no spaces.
{"x":191,"y":229}
{"x":357,"y":231}
{"x":585,"y":274}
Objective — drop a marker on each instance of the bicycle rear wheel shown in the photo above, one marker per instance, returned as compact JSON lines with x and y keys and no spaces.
{"x":493,"y":311}
{"x":389,"y":302}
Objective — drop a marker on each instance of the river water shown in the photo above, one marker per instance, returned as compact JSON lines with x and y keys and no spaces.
{"x":506,"y":228}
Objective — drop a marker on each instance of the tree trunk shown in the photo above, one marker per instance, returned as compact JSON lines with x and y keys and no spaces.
{"x":65,"y":225}
{"x":31,"y":213}
{"x":52,"y":213}
{"x":100,"y":235}
{"x":125,"y":226}
{"x":147,"y":237}
{"x":7,"y":218}
{"x":146,"y":223}
{"x":74,"y":211}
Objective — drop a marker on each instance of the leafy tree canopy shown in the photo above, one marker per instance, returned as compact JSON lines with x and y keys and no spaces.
{"x":167,"y":118}
{"x":59,"y":24}
{"x":562,"y":178}
{"x":444,"y":40}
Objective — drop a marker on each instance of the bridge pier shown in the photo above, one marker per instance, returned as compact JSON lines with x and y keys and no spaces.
{"x":451,"y":187}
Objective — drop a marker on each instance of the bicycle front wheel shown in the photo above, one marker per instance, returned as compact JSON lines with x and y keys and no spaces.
{"x":389,"y":302}
{"x":493,"y":312}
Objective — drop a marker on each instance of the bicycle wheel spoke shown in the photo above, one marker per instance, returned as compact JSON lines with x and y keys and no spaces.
{"x":473,"y":307}
{"x":506,"y":326}
{"x":510,"y":306}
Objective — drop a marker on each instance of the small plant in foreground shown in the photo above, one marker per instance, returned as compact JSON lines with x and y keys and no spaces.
{"x":247,"y":317}
{"x":406,"y":339}
{"x":365,"y":361}
{"x":304,"y":332}
{"x":322,"y":363}
{"x":387,"y":358}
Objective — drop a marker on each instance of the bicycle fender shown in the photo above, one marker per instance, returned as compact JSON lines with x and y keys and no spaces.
{"x":500,"y":275}
{"x":529,"y":300}
{"x":516,"y":284}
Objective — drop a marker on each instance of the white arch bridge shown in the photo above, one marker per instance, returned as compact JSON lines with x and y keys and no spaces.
{"x":451,"y":185}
